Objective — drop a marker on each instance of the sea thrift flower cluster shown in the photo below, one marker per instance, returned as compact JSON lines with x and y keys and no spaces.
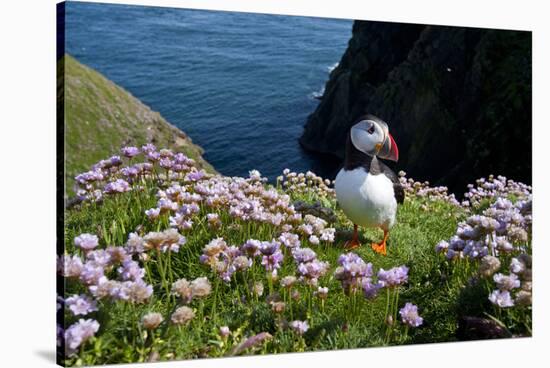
{"x":501,"y":298}
{"x":132,"y":291}
{"x":225,"y":331}
{"x":69,"y":266}
{"x":515,"y":288}
{"x":278,"y":307}
{"x":303,"y":255}
{"x":135,"y":244}
{"x":393,"y":277}
{"x":251,"y":247}
{"x":352,"y":272}
{"x":322,"y":292}
{"x":225,"y":260}
{"x":187,"y":291}
{"x":370,"y":289}
{"x":272,"y":257}
{"x":130,"y":151}
{"x":86,"y":242}
{"x":182,"y":315}
{"x":503,"y":228}
{"x":278,"y":231}
{"x":489,"y":265}
{"x":496,"y":187}
{"x":152,"y":320}
{"x":89,"y":178}
{"x":288,"y":282}
{"x":214,"y":222}
{"x":305,"y":183}
{"x":117,"y":186}
{"x":60,"y":302}
{"x":416,"y":189}
{"x":257,"y":288}
{"x":312,"y":270}
{"x":93,"y":271}
{"x":200,"y":287}
{"x":78,"y":333}
{"x":111,"y":177}
{"x":309,"y":267}
{"x":314,"y":229}
{"x":81,"y":304}
{"x":165,"y":240}
{"x":290,"y":240}
{"x":409,"y":315}
{"x":247,"y":200}
{"x":300,"y":327}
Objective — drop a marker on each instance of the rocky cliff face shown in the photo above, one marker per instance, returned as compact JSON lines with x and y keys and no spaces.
{"x":457,"y":100}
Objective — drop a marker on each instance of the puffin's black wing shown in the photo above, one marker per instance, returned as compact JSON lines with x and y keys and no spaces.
{"x":398,"y":190}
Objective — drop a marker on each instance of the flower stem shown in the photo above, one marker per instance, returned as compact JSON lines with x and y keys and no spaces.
{"x":387,"y":305}
{"x":290,"y":305}
{"x":396,"y":305}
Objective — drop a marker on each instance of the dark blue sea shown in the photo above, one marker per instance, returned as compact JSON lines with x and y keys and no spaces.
{"x":241,"y":85}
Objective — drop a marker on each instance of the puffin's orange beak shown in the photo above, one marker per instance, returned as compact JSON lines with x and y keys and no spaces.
{"x":394,"y":151}
{"x":388,"y":150}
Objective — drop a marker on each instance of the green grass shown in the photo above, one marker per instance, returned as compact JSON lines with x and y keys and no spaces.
{"x":101,"y":117}
{"x":438,"y":287}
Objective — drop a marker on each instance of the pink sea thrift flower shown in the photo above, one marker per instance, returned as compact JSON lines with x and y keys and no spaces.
{"x":78,"y":333}
{"x":290,"y":240}
{"x":117,"y":186}
{"x":409,"y":315}
{"x":86,"y":241}
{"x":502,"y":299}
{"x":224,"y":331}
{"x":152,"y":213}
{"x":69,"y":266}
{"x":81,"y":304}
{"x":130,"y":151}
{"x":300,"y":327}
{"x":393,"y":277}
{"x":506,"y":282}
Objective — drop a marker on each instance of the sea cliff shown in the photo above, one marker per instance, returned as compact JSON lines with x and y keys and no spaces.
{"x":457,"y":100}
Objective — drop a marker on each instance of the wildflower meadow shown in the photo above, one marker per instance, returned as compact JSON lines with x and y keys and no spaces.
{"x":163,"y":261}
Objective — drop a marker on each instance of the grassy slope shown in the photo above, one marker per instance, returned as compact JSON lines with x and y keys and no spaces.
{"x":411,"y":243}
{"x":101,"y":117}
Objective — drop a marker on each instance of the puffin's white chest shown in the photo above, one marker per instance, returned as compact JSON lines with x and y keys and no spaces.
{"x":366,"y":199}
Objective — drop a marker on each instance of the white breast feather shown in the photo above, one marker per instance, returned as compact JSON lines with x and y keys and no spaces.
{"x":366,"y":199}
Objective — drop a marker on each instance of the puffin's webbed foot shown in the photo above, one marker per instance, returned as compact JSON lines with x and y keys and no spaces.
{"x":354,"y":242}
{"x":380,"y":248}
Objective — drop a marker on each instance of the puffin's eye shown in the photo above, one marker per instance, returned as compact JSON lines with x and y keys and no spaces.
{"x":371,"y":129}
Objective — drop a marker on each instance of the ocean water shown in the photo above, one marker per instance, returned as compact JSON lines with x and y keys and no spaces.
{"x":241,"y":85}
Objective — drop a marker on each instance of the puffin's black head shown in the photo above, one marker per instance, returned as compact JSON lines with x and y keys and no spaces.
{"x":370,"y":135}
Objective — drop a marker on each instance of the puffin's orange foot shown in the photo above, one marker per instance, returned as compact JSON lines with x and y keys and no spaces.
{"x":352,"y":244}
{"x":379,"y":248}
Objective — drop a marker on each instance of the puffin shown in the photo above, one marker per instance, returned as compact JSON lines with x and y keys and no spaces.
{"x":367,"y":190}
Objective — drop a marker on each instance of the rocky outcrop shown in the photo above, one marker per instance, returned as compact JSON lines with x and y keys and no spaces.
{"x":457,"y":100}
